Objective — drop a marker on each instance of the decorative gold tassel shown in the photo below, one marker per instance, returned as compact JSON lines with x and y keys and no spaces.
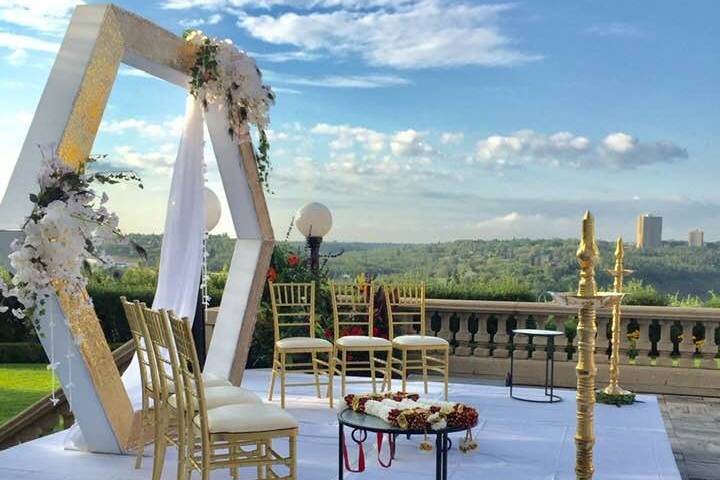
{"x":425,"y":445}
{"x":468,"y":444}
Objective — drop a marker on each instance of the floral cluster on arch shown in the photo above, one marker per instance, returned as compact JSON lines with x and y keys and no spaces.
{"x":68,"y":226}
{"x":226,"y":75}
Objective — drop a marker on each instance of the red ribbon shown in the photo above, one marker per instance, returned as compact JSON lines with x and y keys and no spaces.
{"x":391,"y":443}
{"x":361,"y":455}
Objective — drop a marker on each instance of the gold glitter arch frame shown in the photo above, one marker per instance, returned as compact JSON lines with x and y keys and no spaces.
{"x":98,"y":40}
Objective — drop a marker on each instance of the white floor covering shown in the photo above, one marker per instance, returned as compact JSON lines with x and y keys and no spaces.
{"x":517,"y":440}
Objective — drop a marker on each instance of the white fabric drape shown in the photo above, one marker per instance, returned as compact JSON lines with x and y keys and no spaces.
{"x":181,"y":252}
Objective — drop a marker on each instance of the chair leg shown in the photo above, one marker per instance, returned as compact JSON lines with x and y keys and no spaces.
{"x":447,"y":371}
{"x":388,"y":370}
{"x":403,"y":370}
{"x":143,"y":421}
{"x":316,"y":374}
{"x":260,"y":456}
{"x":160,"y":443}
{"x":343,"y":365}
{"x":293,"y":456}
{"x":331,"y":376}
{"x":423,"y":358}
{"x":283,"y":359}
{"x":274,"y":374}
{"x":371,"y":360}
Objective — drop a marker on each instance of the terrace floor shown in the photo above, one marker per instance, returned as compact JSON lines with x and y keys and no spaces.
{"x":517,"y":441}
{"x":693,"y":426}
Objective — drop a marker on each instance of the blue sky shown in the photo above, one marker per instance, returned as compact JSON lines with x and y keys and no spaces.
{"x":429,"y":120}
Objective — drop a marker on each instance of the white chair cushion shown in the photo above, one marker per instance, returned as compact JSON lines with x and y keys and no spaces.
{"x":362,"y":341}
{"x":209,"y":380}
{"x":225,"y":395}
{"x":303,"y":342}
{"x":420,"y":341}
{"x":248,"y":418}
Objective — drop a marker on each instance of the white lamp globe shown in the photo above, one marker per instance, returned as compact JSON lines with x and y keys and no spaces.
{"x":313,"y":220}
{"x":212,"y":209}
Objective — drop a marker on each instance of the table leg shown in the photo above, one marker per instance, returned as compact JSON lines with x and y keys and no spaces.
{"x":446,"y":447}
{"x":438,"y":456}
{"x":547,"y":376}
{"x":341,"y":444}
{"x":552,"y":369}
{"x":512,"y":371}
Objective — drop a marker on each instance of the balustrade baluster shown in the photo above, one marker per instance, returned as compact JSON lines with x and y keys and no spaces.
{"x":463,"y":336}
{"x":686,"y":345}
{"x":501,"y":337}
{"x":482,"y":337}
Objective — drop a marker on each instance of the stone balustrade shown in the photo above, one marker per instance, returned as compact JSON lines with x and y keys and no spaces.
{"x":664,"y":358}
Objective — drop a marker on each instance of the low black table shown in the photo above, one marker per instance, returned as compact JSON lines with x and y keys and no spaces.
{"x":549,"y":365}
{"x":361,"y":424}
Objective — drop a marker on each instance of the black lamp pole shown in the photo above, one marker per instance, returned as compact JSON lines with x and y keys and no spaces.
{"x":314,"y":245}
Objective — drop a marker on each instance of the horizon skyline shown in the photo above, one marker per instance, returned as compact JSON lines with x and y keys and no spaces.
{"x":478,"y":121}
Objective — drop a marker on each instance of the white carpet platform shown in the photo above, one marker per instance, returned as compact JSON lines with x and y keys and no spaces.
{"x":517,"y":440}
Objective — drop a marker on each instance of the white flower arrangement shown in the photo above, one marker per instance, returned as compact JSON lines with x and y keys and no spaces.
{"x":67,"y":226}
{"x":224,"y":74}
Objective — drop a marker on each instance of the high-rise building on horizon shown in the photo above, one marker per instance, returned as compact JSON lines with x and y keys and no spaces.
{"x":696,"y":238}
{"x":649,"y":231}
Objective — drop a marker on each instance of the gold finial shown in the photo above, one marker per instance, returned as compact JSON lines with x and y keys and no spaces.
{"x":587,"y":255}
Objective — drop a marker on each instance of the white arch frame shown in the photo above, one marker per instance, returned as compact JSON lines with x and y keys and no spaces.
{"x":99,"y":38}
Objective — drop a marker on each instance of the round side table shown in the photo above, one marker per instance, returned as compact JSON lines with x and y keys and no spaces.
{"x":549,"y":365}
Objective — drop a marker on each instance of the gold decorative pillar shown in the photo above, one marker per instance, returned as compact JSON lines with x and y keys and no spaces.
{"x":587,"y":256}
{"x":587,"y":299}
{"x":613,"y":393}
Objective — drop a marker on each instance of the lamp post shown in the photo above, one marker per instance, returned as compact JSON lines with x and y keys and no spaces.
{"x":314,"y":221}
{"x":213,"y":212}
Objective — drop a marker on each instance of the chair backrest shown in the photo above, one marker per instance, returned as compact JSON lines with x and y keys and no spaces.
{"x":164,"y":352}
{"x":141,"y":340}
{"x":353,"y":306}
{"x":405,"y":306}
{"x":189,"y":368}
{"x":293,"y":308}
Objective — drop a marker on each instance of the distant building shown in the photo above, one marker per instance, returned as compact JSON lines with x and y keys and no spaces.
{"x":649,"y":231}
{"x":696,"y":238}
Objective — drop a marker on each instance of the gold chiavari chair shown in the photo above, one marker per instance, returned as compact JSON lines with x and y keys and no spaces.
{"x":230,"y":436}
{"x":140,"y":336}
{"x":353,"y":308}
{"x":169,"y":428}
{"x":293,"y":310}
{"x":406,"y":311}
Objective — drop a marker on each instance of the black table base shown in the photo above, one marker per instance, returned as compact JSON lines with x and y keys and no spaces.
{"x":549,"y":385}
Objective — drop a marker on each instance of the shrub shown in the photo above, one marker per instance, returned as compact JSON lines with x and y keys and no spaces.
{"x":637,"y":293}
{"x":22,"y":352}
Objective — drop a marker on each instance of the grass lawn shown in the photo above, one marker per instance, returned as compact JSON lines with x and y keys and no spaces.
{"x":21,"y":385}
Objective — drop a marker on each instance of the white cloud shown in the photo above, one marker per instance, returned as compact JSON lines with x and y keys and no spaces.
{"x":406,"y":34}
{"x":615,"y":29}
{"x":347,"y":137}
{"x":279,"y":57}
{"x":17,"y":57}
{"x":24,"y":42}
{"x":409,"y":143}
{"x":213,"y":19}
{"x":267,"y":4}
{"x":338,"y":81}
{"x":169,"y":128}
{"x":615,"y":151}
{"x":157,"y":162}
{"x":51,"y":16}
{"x":452,"y":138}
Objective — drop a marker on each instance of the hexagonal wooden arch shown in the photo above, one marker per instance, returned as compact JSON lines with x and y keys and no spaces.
{"x":99,"y":38}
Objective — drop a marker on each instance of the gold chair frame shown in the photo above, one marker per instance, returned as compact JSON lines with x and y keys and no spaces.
{"x":406,"y":309}
{"x":169,"y":426}
{"x":146,"y":360}
{"x":353,"y":305}
{"x":205,"y":451}
{"x":288,"y":302}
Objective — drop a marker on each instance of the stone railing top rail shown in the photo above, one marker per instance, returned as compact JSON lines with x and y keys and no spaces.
{"x":535,"y":308}
{"x":547,"y":308}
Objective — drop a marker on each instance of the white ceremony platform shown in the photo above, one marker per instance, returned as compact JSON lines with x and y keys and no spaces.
{"x":517,"y":440}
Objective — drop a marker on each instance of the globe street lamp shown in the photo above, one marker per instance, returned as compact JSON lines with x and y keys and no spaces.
{"x":213,"y":211}
{"x":314,"y":221}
